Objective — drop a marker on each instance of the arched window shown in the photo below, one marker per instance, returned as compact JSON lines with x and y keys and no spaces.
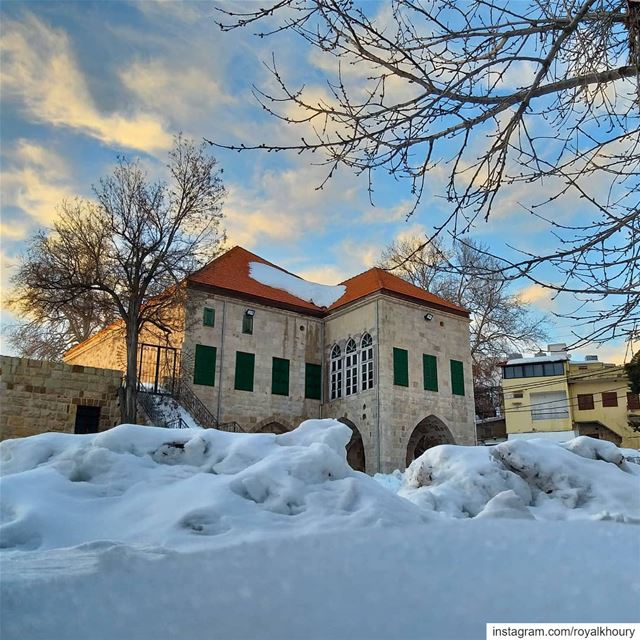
{"x":366,"y":362}
{"x":336,"y":373}
{"x":351,"y":368}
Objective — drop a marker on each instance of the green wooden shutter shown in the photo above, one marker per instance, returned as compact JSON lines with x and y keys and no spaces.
{"x":247,"y":324}
{"x":457,"y":378}
{"x":209,"y":317}
{"x":430,"y":372}
{"x":280,"y":377}
{"x":204,"y":370}
{"x":400,"y":367}
{"x":312,"y":381}
{"x":245,"y":365}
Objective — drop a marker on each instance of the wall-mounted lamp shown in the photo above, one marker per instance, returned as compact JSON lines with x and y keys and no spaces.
{"x":250,"y":312}
{"x":428,"y":317}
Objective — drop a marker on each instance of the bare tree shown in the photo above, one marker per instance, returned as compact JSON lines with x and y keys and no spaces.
{"x":50,"y":328}
{"x":501,"y":322}
{"x":131,"y":247}
{"x":476,"y":101}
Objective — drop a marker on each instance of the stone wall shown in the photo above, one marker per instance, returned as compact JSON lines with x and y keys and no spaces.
{"x":276,"y":333}
{"x":38,"y":396}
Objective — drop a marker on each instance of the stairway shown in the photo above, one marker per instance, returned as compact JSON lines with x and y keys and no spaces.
{"x":183,"y":395}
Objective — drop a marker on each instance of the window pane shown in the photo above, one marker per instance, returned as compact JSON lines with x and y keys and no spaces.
{"x":609,"y":399}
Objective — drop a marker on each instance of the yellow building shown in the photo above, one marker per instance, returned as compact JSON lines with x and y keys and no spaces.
{"x":549,"y":396}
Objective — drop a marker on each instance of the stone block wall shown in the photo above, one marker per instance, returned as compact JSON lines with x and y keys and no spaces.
{"x":38,"y":396}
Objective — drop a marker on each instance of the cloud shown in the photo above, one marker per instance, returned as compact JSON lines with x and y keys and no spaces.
{"x":183,"y":94}
{"x":284,"y":205}
{"x":40,"y":70}
{"x":7,"y":265}
{"x":330,"y":275}
{"x":538,"y":296}
{"x":395,"y":213}
{"x":36,"y":181}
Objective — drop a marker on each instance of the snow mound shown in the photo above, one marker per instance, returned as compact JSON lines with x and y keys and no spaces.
{"x":322,"y":295}
{"x":583,"y":478}
{"x":184,"y":489}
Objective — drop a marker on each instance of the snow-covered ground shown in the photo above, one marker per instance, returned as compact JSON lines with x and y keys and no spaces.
{"x":141,"y":532}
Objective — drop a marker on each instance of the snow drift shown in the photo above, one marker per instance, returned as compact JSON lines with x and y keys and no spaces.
{"x":157,"y":534}
{"x":185,"y":488}
{"x":580,"y":479}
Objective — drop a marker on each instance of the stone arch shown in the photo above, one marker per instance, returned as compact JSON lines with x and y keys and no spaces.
{"x":355,"y":447}
{"x":271,"y":426}
{"x":429,"y":432}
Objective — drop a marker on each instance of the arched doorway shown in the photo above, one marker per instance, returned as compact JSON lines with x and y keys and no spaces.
{"x":428,"y":433}
{"x":272,"y":427}
{"x":355,"y":447}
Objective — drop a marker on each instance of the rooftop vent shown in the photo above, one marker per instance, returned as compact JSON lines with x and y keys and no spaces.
{"x":591,"y":358}
{"x":541,"y":354}
{"x":558,"y":347}
{"x":514,"y":356}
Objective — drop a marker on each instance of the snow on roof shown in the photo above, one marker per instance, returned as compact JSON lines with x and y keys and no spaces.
{"x":556,"y":357}
{"x":322,"y":295}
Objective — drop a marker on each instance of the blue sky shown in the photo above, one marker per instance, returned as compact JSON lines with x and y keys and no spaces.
{"x":83,"y":82}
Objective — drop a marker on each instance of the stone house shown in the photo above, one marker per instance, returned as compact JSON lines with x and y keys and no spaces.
{"x":263,"y":348}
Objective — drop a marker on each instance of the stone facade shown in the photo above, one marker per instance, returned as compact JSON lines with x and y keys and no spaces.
{"x":391,"y":423}
{"x":38,"y":396}
{"x":277,"y":333}
{"x":388,"y":415}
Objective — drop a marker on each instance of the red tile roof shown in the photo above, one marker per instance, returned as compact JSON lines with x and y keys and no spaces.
{"x":377,"y":279}
{"x":229,"y":274}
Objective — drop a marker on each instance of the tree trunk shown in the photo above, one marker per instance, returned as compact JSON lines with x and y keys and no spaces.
{"x":129,"y":407}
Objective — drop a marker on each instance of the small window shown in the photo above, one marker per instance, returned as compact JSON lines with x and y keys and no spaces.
{"x":585,"y":401}
{"x":336,"y":373}
{"x":245,"y":366}
{"x":633,"y":401}
{"x":351,"y":368}
{"x":518,"y":394}
{"x":609,"y":399}
{"x":457,"y":378}
{"x":312,"y":381}
{"x":366,"y":362}
{"x":400,"y":367}
{"x":247,"y":322}
{"x":280,"y":377}
{"x":204,"y":370}
{"x":209,"y":317}
{"x":430,"y":372}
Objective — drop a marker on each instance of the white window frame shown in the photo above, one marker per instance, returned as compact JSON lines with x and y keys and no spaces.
{"x":366,"y":362}
{"x":351,"y":368}
{"x":335,"y":387}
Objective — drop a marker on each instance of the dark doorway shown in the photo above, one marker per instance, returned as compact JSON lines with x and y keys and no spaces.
{"x":428,"y":433}
{"x":87,"y":419}
{"x":273,"y":427}
{"x":355,"y":447}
